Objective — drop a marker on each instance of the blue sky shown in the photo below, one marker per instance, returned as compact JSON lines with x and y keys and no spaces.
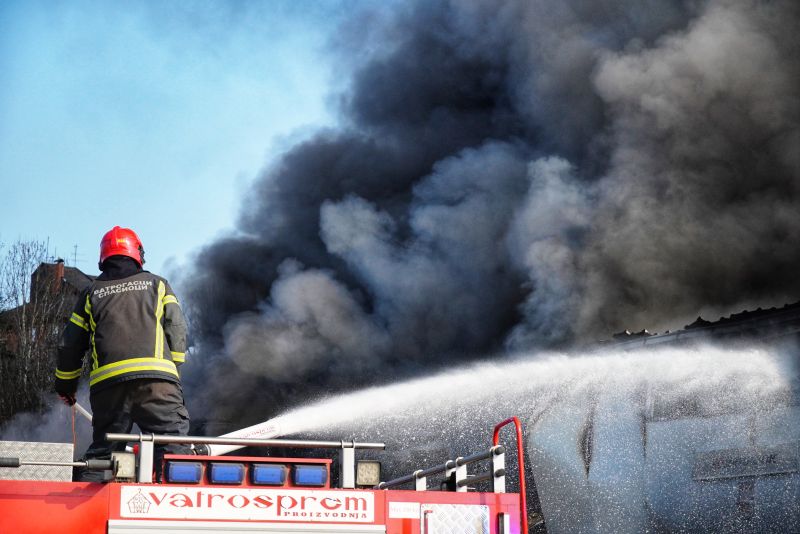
{"x":151,"y":115}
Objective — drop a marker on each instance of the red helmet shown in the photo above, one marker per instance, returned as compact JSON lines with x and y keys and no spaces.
{"x":121,"y":242}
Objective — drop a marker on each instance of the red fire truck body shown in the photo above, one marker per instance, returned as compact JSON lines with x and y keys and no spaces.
{"x":242,"y":494}
{"x":91,"y":508}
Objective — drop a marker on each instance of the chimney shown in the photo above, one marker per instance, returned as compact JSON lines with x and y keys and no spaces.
{"x":59,"y":275}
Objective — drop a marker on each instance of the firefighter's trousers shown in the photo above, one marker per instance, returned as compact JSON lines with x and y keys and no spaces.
{"x":155,"y":405}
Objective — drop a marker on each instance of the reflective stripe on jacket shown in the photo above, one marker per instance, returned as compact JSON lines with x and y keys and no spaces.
{"x":133,"y":327}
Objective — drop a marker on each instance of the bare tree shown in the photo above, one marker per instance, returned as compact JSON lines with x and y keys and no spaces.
{"x":34,"y":309}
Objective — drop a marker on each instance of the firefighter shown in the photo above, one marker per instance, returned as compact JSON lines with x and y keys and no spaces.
{"x":130,"y":323}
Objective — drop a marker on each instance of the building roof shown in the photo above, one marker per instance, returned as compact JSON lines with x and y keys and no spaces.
{"x":771,"y":323}
{"x":77,"y":278}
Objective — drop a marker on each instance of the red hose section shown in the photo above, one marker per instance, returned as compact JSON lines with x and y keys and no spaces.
{"x":523,"y":504}
{"x":74,"y":436}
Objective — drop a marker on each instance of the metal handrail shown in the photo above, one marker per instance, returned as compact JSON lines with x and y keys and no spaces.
{"x":489,"y":475}
{"x":449,"y":465}
{"x":523,"y":505}
{"x":247,"y":442}
{"x":478,"y":456}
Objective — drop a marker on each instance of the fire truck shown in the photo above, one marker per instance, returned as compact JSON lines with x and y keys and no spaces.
{"x":214,"y":491}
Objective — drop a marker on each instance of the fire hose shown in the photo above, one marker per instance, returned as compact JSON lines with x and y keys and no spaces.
{"x":265,"y":430}
{"x":83,"y":411}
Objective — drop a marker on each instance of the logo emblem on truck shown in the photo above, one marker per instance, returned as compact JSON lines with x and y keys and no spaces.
{"x":139,"y":504}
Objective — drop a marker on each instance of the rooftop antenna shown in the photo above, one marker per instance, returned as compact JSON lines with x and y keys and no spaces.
{"x":75,"y":255}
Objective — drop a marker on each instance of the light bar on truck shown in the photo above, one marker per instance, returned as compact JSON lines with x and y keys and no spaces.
{"x":226,"y":473}
{"x":184,"y":472}
{"x":368,"y":473}
{"x":309,"y":475}
{"x":268,"y":474}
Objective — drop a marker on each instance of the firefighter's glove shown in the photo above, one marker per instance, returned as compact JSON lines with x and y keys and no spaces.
{"x":67,"y":398}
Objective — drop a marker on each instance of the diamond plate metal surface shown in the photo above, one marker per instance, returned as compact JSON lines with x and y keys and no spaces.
{"x":35,"y":451}
{"x":456,"y":518}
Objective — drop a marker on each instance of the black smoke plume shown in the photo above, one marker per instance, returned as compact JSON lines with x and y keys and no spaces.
{"x":510,"y":175}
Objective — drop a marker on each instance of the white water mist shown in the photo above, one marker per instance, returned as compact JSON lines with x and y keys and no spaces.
{"x":613,"y":439}
{"x":526,"y":384}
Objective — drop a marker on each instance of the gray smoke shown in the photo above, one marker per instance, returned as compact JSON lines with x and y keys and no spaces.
{"x":57,"y":423}
{"x":511,"y":175}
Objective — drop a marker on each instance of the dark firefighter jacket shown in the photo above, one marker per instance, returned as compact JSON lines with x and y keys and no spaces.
{"x":133,"y":327}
